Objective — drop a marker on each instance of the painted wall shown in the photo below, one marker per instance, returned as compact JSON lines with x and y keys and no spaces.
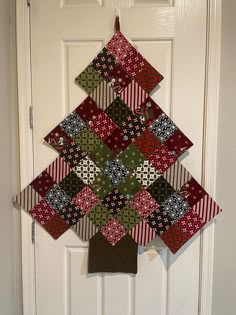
{"x":10,"y":289}
{"x":224,"y":286}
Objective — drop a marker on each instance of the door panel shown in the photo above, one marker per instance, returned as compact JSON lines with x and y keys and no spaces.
{"x":65,"y":36}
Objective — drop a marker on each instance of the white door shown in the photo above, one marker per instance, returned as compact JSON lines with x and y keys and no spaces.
{"x":65,"y":36}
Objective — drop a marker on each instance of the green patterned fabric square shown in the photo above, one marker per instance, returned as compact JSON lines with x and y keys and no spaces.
{"x":118,"y":111}
{"x":89,"y":79}
{"x":131,"y":157}
{"x":129,"y":187}
{"x":88,"y":141}
{"x":160,"y":189}
{"x":101,"y":186}
{"x":100,"y":215}
{"x":101,"y":155}
{"x":128,"y":217}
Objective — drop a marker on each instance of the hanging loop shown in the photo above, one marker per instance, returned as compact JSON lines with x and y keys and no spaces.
{"x":117,"y":23}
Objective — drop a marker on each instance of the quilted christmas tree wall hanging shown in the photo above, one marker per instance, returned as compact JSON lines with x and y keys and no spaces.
{"x":117,"y":180}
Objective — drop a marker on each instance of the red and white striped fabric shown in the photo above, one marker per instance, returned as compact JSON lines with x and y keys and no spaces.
{"x":177,"y":175}
{"x":206,"y":209}
{"x":58,"y":169}
{"x":103,"y":95}
{"x":133,"y":95}
{"x":142,"y":233}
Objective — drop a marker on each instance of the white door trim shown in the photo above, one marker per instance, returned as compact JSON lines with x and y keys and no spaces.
{"x":210,"y":148}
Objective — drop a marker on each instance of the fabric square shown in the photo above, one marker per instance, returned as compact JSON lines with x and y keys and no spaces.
{"x":133,"y":96}
{"x":175,"y":205}
{"x":178,"y":143}
{"x":85,"y":200}
{"x":113,"y":231}
{"x":117,"y":141}
{"x":142,"y":233}
{"x":190,"y":223}
{"x":118,"y":46}
{"x":58,"y":169}
{"x":71,"y":214}
{"x":159,"y":221}
{"x":162,"y":159}
{"x":129,"y":187}
{"x":119,"y":79}
{"x":88,"y":109}
{"x":87,"y":141}
{"x":163,"y":127}
{"x":146,"y":174}
{"x":132,"y":127}
{"x":72,"y":154}
{"x":104,"y":63}
{"x":116,"y":171}
{"x":174,"y":238}
{"x":103,"y":126}
{"x":27,"y":199}
{"x":72,"y":125}
{"x":206,"y":209}
{"x":42,"y":183}
{"x":85,"y":228}
{"x":56,"y":226}
{"x":99,"y":215}
{"x":128,"y":217}
{"x":103,"y":95}
{"x":58,"y":138}
{"x":101,"y":186}
{"x":87,"y":170}
{"x":149,"y":110}
{"x":72,"y":184}
{"x":131,"y":157}
{"x":133,"y":62}
{"x":148,"y":77}
{"x":89,"y":79}
{"x":160,"y":190}
{"x":114,"y":201}
{"x":118,"y":111}
{"x":144,"y":203}
{"x":147,"y":143}
{"x":192,"y":192}
{"x":177,"y":175}
{"x":42,"y":212}
{"x":57,"y":198}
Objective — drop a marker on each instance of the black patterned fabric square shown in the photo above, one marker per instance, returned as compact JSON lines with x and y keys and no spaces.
{"x":114,"y":201}
{"x":118,"y":111}
{"x":72,"y":154}
{"x":160,"y":189}
{"x":104,"y":63}
{"x":72,"y":184}
{"x":159,"y":221}
{"x":57,"y":198}
{"x":175,"y":205}
{"x":116,"y":172}
{"x":163,"y":127}
{"x":132,"y":127}
{"x":72,"y":125}
{"x":71,"y":214}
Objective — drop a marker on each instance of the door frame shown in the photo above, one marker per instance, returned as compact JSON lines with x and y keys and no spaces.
{"x":211,"y":105}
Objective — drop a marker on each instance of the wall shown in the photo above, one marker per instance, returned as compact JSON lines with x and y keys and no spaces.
{"x":224,"y":286}
{"x":10,"y":289}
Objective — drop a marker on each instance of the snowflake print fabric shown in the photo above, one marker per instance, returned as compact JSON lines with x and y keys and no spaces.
{"x":118,"y":181}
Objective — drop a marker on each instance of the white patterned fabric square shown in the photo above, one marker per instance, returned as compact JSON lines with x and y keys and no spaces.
{"x":87,"y":170}
{"x":146,"y":174}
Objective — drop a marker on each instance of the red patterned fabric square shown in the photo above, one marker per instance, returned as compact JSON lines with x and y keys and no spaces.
{"x":162,"y":159}
{"x":149,"y":110}
{"x":119,"y":79}
{"x":147,"y":143}
{"x":133,"y":62}
{"x":42,"y":183}
{"x":113,"y":231}
{"x":58,"y":138}
{"x":148,"y":77}
{"x":103,"y":126}
{"x":119,"y":46}
{"x":88,"y":109}
{"x":85,"y":199}
{"x":56,"y":226}
{"x":190,"y":223}
{"x":174,"y":238}
{"x":142,"y":233}
{"x":42,"y":212}
{"x":117,"y":141}
{"x":192,"y":192}
{"x":144,"y":203}
{"x":178,"y":143}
